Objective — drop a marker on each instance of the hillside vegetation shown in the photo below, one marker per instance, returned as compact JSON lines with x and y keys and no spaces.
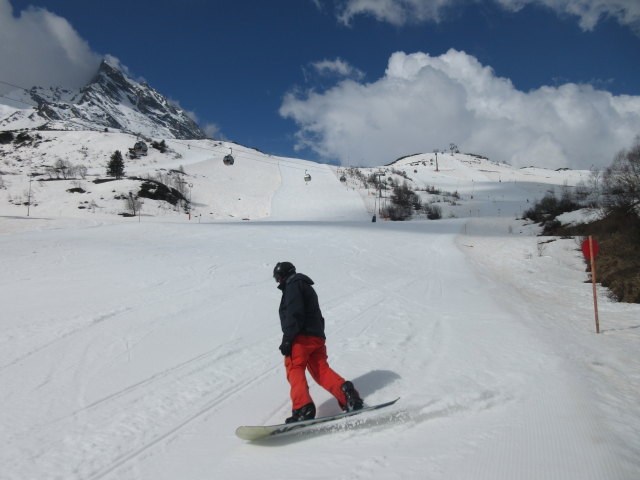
{"x":617,"y":196}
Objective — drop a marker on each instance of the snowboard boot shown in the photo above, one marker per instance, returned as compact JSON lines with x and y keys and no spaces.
{"x":354,"y":402}
{"x":303,"y":413}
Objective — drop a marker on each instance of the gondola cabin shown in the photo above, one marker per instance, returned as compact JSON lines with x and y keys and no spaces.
{"x":228,"y":159}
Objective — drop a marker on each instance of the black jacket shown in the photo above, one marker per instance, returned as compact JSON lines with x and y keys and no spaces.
{"x":299,"y":309}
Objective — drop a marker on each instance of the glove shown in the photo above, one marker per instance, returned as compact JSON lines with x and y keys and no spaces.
{"x":285,"y":348}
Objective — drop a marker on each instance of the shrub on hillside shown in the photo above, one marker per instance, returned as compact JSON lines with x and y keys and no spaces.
{"x":618,"y":232}
{"x":159,"y":191}
{"x":162,"y":146}
{"x":403,"y":196}
{"x":433,"y":212}
{"x":23,"y":137}
{"x":397,"y":213}
{"x":619,"y":261}
{"x":618,"y":235}
{"x":6,"y":138}
{"x":547,"y":209}
{"x":403,"y":202}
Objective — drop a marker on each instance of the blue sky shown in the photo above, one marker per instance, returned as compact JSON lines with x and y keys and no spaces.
{"x":364,"y":81}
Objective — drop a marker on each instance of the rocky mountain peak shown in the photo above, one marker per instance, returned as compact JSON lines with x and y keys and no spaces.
{"x":110,"y":100}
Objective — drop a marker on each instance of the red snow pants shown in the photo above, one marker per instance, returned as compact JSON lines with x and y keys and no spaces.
{"x":310,"y":353}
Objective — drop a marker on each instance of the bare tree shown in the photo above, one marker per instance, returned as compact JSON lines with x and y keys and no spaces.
{"x":64,"y":167}
{"x":80,"y":170}
{"x":622,"y":181}
{"x":595,"y":185}
{"x":132,"y":204}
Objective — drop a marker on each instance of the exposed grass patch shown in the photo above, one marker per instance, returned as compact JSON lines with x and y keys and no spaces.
{"x":618,"y":263}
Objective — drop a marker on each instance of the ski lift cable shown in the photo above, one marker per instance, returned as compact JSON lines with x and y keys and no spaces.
{"x":14,"y":85}
{"x":18,"y":101}
{"x":26,"y":90}
{"x":60,"y":120}
{"x":35,"y":105}
{"x":254,"y":157}
{"x":14,"y":99}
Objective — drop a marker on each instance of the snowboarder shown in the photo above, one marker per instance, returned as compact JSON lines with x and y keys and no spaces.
{"x":303,"y":346}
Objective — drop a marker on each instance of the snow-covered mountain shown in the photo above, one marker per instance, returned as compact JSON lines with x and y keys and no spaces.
{"x":111,"y":100}
{"x":64,"y":140}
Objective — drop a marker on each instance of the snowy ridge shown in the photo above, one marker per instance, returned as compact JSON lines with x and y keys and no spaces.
{"x":257,"y":186}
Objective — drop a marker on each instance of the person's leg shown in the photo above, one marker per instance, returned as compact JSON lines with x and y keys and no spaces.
{"x":321,"y":372}
{"x":296,"y":365}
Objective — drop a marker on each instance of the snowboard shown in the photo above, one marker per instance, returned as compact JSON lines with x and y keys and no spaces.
{"x":259,"y":432}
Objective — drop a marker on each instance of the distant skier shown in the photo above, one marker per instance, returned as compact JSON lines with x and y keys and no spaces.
{"x":303,"y":346}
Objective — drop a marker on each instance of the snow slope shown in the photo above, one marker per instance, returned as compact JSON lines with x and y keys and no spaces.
{"x":133,"y":351}
{"x":133,"y":348}
{"x":244,"y":191}
{"x":472,"y":186}
{"x":322,"y":198}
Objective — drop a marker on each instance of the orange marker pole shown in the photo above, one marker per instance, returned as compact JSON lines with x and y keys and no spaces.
{"x":593,"y":280}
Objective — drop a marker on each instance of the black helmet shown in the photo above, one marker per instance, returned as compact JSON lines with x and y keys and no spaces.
{"x":282,"y":270}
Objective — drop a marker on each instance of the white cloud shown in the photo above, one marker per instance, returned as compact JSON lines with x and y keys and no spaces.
{"x":424,"y":102}
{"x":213,"y":131}
{"x":39,"y":48}
{"x":589,"y":12}
{"x":189,"y":113}
{"x":337,"y":67}
{"x":401,"y":12}
{"x":396,"y":12}
{"x":118,"y":65}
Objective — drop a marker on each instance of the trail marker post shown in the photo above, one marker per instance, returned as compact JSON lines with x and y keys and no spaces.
{"x":590,"y":249}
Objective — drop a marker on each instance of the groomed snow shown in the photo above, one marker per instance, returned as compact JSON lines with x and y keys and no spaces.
{"x":133,"y":348}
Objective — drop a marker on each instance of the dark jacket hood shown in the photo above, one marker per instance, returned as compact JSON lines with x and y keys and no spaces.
{"x":296,"y":277}
{"x":300,"y":277}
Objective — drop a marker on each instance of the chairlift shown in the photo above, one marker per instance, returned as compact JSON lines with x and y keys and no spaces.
{"x":228,"y":159}
{"x":307,"y":177}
